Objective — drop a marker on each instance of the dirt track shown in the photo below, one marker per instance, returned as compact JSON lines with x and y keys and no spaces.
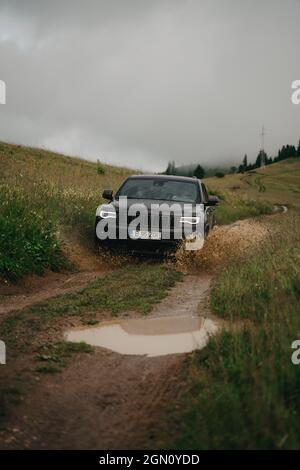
{"x":51,"y":285}
{"x":105,"y":400}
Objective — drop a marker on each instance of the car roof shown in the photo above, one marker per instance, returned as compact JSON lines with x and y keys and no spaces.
{"x":166,"y":177}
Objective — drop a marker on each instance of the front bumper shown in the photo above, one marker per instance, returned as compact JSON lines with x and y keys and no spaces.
{"x":162,"y":246}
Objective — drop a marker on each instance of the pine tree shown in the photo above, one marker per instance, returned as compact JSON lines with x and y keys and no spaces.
{"x":168,"y":170}
{"x":171,"y":170}
{"x":199,"y":172}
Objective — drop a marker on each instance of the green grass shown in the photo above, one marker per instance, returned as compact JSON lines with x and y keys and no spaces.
{"x":255,"y":193}
{"x":243,"y":389}
{"x":28,"y":242}
{"x":256,"y":288}
{"x":48,"y":369}
{"x":9,"y":396}
{"x":233,"y":209}
{"x":45,"y":197}
{"x":129,"y":288}
{"x":134,"y":287}
{"x":53,"y":357}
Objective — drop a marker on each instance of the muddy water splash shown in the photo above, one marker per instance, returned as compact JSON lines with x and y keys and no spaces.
{"x":222,"y":245}
{"x":151,"y":337}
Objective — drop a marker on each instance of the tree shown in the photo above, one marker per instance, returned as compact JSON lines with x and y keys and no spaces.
{"x":244,"y":165}
{"x":269,"y":160}
{"x":170,"y":168}
{"x":287,"y":151}
{"x":199,"y":172}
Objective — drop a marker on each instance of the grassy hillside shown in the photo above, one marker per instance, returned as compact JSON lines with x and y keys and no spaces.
{"x":47,"y":198}
{"x":243,"y":387}
{"x":256,"y":192}
{"x":27,"y":166}
{"x":44,"y":198}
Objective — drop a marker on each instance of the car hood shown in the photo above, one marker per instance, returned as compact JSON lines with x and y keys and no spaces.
{"x":149,"y":202}
{"x":174,"y":206}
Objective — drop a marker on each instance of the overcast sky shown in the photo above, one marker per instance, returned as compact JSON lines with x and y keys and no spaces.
{"x":141,"y":82}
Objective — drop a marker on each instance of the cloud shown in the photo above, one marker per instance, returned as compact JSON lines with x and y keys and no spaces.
{"x":139,"y":83}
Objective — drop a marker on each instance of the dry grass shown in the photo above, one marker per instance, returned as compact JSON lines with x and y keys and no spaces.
{"x":276,"y":184}
{"x":27,"y":167}
{"x":47,"y":197}
{"x":244,"y":389}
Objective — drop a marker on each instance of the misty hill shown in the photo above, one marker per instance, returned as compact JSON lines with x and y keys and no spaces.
{"x":188,"y":170}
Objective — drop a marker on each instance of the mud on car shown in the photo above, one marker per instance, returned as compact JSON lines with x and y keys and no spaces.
{"x":152,"y":214}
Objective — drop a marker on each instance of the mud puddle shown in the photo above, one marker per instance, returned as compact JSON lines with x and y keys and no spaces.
{"x":151,"y":337}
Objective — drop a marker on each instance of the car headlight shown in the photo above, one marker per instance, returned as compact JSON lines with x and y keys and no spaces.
{"x":189,"y":220}
{"x":107,"y":214}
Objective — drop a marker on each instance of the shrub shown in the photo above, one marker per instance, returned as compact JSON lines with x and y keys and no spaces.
{"x":100,"y":168}
{"x":216,"y":192}
{"x":28,"y":241}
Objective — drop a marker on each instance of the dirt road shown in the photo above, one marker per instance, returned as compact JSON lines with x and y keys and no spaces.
{"x":14,"y":298}
{"x":106,"y":400}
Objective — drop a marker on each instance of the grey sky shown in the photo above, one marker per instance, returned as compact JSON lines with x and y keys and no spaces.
{"x":141,"y":82}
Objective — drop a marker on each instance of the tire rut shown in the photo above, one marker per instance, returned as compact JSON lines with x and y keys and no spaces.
{"x":107,"y":400}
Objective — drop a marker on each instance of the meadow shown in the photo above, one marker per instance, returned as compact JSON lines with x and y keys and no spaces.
{"x":242,"y":390}
{"x":46,"y":199}
{"x":257,"y":192}
{"x":243,"y":387}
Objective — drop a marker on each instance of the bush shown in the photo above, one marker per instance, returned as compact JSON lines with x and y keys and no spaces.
{"x":100,"y":168}
{"x":216,"y":192}
{"x":28,"y":241}
{"x":220,"y":174}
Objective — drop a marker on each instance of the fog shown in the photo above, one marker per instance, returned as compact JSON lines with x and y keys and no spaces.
{"x":141,"y":82}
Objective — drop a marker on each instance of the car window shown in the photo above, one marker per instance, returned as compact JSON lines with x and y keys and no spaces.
{"x":159,"y":189}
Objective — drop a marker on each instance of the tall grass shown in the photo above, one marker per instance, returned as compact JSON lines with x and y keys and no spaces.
{"x":244,"y":390}
{"x":236,"y":208}
{"x":28,"y":241}
{"x":46,"y":197}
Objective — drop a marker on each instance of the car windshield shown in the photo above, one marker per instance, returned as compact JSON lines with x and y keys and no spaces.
{"x":160,"y":189}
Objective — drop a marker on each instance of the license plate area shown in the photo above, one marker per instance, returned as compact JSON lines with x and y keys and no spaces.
{"x":144,"y":235}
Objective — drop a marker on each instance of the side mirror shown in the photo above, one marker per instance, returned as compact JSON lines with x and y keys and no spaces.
{"x":108,"y":194}
{"x":213,"y":200}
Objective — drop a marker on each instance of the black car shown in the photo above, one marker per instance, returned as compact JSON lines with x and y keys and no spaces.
{"x":154,"y":213}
